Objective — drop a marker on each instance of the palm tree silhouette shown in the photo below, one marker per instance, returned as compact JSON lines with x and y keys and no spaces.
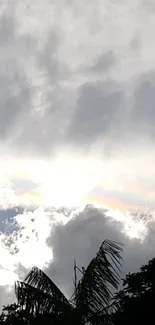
{"x":91,"y":300}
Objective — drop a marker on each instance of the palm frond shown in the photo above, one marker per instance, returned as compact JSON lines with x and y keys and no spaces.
{"x":38,"y":279}
{"x":36,"y":301}
{"x":93,"y":292}
{"x":39,"y":294}
{"x":31,"y":299}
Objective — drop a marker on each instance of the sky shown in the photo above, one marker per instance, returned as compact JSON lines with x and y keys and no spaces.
{"x":77,"y":138}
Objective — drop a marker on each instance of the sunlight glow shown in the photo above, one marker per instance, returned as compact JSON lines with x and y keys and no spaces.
{"x":67,"y":181}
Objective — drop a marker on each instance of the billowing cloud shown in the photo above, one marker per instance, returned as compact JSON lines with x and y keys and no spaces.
{"x":81,"y":237}
{"x":51,"y":239}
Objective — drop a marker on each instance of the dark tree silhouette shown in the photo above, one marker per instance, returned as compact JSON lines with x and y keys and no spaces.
{"x":39,"y":300}
{"x":136,"y":302}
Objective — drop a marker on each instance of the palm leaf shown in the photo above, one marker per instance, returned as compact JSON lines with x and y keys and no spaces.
{"x":93,"y":292}
{"x":39,"y":293}
{"x":38,"y":279}
{"x":32,"y":299}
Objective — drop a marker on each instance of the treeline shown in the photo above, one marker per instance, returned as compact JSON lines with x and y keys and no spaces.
{"x":39,"y":300}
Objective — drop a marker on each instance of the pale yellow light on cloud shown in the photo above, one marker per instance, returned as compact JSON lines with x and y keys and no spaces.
{"x":66,"y":180}
{"x":71,"y":180}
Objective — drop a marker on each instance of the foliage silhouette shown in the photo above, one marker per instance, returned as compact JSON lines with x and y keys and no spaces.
{"x":39,"y":300}
{"x":135,"y":303}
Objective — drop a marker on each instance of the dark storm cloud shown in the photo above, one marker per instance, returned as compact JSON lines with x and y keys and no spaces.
{"x":7,"y":29}
{"x":104,"y":110}
{"x":98,"y":109}
{"x":49,"y":62}
{"x":81,"y":238}
{"x":15,"y":101}
{"x":103,"y":63}
{"x":15,"y":91}
{"x":143,"y":112}
{"x":30,"y":130}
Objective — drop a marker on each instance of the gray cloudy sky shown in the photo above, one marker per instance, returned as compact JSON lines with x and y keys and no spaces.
{"x":77,"y":94}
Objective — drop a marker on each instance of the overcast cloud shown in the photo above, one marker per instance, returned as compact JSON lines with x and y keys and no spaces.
{"x":77,"y":93}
